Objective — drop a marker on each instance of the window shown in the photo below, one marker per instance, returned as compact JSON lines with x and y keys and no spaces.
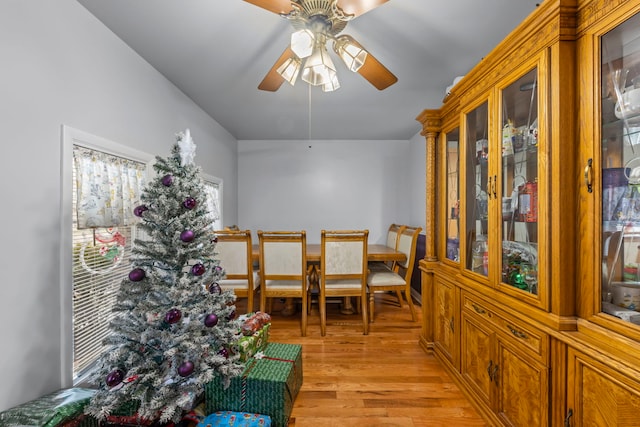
{"x":213,"y":187}
{"x":106,"y":180}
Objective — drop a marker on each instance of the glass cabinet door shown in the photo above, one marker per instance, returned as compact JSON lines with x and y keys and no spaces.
{"x":519,"y":184}
{"x":452,"y":191}
{"x":620,"y":162}
{"x":477,"y":199}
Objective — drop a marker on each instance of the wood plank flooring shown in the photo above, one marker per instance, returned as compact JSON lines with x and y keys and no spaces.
{"x":380,"y":379}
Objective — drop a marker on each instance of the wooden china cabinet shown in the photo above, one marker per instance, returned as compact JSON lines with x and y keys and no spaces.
{"x":531,"y":274}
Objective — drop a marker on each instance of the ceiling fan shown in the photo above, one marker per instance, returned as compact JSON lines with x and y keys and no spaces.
{"x":315,"y":23}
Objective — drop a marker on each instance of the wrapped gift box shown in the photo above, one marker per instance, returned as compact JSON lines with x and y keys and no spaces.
{"x":235,"y":419}
{"x":62,"y":407}
{"x":249,"y":345}
{"x":269,"y":385}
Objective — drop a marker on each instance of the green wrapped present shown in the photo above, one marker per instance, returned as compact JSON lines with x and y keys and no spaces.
{"x":247,"y":346}
{"x":64,"y":406}
{"x":269,"y":385}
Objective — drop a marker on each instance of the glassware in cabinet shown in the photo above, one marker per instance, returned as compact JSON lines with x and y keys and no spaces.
{"x":477,"y":185}
{"x":453,"y":194}
{"x":620,"y":161}
{"x":519,"y":183}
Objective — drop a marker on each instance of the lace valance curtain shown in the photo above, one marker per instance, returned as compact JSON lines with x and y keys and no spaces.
{"x":109,"y":188}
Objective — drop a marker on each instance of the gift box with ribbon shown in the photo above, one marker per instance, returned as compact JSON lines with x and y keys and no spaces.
{"x":269,"y":385}
{"x":62,"y":407}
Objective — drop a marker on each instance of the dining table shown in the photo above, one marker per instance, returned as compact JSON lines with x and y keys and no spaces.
{"x":375,"y":253}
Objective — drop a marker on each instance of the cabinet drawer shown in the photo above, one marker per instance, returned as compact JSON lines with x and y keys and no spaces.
{"x":526,"y":335}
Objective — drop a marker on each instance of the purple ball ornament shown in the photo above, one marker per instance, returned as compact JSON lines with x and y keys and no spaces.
{"x":185,"y":369}
{"x":114,"y":378}
{"x":211,"y":320}
{"x":215,"y":288}
{"x":224,"y":353}
{"x":187,"y":236}
{"x":231,"y":315}
{"x":189,"y":203}
{"x":173,"y":316}
{"x":139,"y":210}
{"x":137,"y":274}
{"x":167,"y":180}
{"x":198,"y":269}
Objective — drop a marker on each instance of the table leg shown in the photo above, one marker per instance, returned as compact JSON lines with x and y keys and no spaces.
{"x":347,"y":307}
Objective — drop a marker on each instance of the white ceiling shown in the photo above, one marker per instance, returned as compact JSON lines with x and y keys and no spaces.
{"x":218,"y":51}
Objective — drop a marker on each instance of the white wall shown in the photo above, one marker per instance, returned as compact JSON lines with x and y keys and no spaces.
{"x":62,"y":66}
{"x":313,"y":185}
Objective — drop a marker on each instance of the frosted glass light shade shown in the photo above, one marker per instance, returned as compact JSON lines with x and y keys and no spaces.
{"x":351,"y":53}
{"x":318,"y":67}
{"x":289,"y":70}
{"x":333,"y":84}
{"x":302,"y":43}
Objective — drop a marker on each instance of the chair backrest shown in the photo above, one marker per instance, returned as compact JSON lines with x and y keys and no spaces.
{"x":407,"y":241}
{"x":392,"y":235}
{"x":343,"y":254}
{"x":283,"y":255}
{"x":233,"y":249}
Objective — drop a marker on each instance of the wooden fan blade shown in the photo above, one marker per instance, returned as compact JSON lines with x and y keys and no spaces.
{"x":376,"y":73}
{"x":275,"y":6}
{"x":273,"y":80}
{"x":358,"y":7}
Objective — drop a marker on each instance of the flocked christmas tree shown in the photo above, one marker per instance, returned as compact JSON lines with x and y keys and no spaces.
{"x":174,"y":326}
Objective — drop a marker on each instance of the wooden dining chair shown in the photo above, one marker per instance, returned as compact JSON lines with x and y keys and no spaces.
{"x":283,"y":269}
{"x":343,"y":270}
{"x":233,"y":249}
{"x":392,"y":242}
{"x":398,"y":278}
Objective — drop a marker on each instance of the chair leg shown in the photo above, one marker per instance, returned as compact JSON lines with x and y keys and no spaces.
{"x":399,"y":294}
{"x":365,"y":314}
{"x":263,"y":301}
{"x":323,"y":315}
{"x":407,"y":294}
{"x":303,"y":320}
{"x":372,"y":303}
{"x":249,"y":302}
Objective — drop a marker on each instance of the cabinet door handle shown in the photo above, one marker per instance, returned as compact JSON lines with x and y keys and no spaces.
{"x":567,"y":420}
{"x":517,"y":333}
{"x":478,"y":310}
{"x":451,"y":325}
{"x":489,"y":370}
{"x":495,"y":180}
{"x":494,"y":375}
{"x":588,"y":176}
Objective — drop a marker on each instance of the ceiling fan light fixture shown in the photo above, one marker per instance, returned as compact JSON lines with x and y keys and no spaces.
{"x":290,"y":69}
{"x":351,"y":53}
{"x":302,"y":43}
{"x":318,"y":68}
{"x":334,"y":83}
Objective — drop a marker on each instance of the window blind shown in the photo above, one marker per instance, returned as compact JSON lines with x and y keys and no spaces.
{"x":101,"y":259}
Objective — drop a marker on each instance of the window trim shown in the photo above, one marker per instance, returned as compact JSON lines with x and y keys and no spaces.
{"x":69,"y":138}
{"x":219,"y":182}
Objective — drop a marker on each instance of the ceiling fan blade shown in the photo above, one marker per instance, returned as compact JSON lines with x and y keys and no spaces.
{"x":376,"y":73}
{"x":358,"y":7}
{"x":273,"y":80}
{"x":275,"y":6}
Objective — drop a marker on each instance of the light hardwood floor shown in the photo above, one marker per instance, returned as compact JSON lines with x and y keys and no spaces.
{"x":383,"y":379}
